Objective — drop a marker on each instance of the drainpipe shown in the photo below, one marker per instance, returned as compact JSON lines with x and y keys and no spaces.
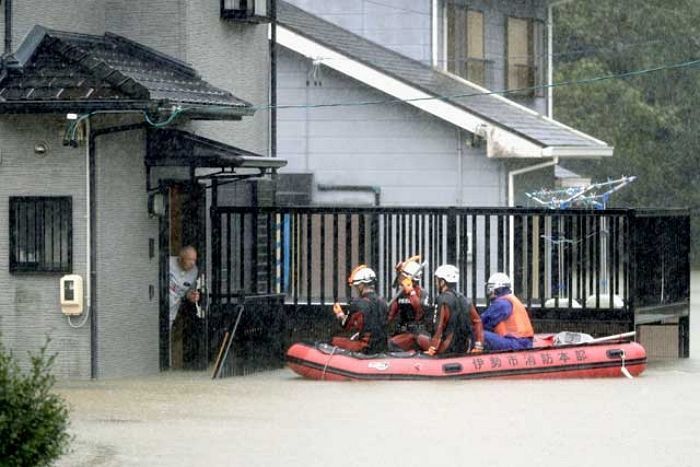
{"x":460,"y":167}
{"x":273,"y":78}
{"x":550,"y":62}
{"x":511,"y":203}
{"x":8,"y":27}
{"x":529,"y":168}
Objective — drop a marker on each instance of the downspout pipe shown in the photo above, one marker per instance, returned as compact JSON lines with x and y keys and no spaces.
{"x":92,"y":234}
{"x":8,"y":27}
{"x":523,"y":170}
{"x":511,"y":203}
{"x":273,"y":78}
{"x":550,"y":61}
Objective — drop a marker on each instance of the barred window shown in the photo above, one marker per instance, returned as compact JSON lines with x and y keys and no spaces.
{"x":41,"y":234}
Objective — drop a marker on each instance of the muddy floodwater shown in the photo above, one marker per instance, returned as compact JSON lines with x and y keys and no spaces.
{"x":278,"y":419}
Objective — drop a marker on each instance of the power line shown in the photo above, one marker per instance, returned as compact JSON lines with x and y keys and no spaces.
{"x":683,"y":65}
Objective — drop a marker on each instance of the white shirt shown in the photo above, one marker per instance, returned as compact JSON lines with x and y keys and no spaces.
{"x":181,"y":282}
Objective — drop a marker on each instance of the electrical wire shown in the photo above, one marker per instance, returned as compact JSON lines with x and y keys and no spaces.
{"x":687,"y":64}
{"x":690,"y":64}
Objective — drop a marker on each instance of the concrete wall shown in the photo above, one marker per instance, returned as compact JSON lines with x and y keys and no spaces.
{"x":29,"y":303}
{"x":127,"y":317}
{"x":411,"y":155}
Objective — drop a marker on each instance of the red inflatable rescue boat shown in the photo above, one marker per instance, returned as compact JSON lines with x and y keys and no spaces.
{"x":591,"y":360}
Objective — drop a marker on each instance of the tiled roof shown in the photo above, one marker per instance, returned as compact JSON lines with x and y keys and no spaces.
{"x":502,"y":112}
{"x":53,"y":68}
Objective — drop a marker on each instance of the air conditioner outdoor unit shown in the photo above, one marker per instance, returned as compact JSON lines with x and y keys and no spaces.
{"x":255,"y":11}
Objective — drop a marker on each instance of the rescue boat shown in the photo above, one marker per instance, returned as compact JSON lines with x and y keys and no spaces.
{"x":322,"y":361}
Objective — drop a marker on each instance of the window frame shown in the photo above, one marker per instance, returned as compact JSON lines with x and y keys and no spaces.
{"x":62,"y":206}
{"x":463,"y":43}
{"x":536,"y":50}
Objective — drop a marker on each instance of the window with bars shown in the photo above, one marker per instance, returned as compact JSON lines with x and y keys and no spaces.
{"x":463,"y":37}
{"x":41,"y":234}
{"x":525,"y":56}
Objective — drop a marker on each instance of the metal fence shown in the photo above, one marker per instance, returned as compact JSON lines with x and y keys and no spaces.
{"x":586,"y":270}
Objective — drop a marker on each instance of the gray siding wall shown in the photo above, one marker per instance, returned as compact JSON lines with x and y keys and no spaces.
{"x":232,"y":56}
{"x":160,"y":24}
{"x":401,"y":25}
{"x":127,"y":318}
{"x":235,"y":57}
{"x":85,"y":16}
{"x":29,"y":303}
{"x":406,"y":27}
{"x":410,"y":155}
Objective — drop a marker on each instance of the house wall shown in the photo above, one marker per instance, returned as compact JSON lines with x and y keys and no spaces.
{"x":160,"y":24}
{"x":410,"y":155}
{"x":406,"y":27}
{"x":128,"y":326}
{"x":84,"y":16}
{"x":401,"y":25}
{"x":233,"y":56}
{"x":29,"y":303}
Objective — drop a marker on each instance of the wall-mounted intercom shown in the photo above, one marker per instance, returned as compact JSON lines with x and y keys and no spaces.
{"x":71,"y":295}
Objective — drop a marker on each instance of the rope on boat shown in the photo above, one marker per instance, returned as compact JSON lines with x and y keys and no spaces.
{"x":325,"y":367}
{"x":624,"y":370}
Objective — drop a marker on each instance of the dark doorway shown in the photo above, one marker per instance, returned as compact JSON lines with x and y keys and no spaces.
{"x":184,"y":224}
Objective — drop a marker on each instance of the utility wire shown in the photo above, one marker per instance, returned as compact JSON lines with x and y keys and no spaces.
{"x":688,"y":64}
{"x":73,"y":126}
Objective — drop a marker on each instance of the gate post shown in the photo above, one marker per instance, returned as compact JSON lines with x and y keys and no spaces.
{"x":452,"y":236}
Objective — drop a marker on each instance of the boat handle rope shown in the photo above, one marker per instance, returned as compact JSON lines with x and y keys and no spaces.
{"x":325,"y":367}
{"x":624,"y":370}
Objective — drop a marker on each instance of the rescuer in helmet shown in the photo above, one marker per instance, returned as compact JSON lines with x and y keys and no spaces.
{"x":452,"y":332}
{"x":407,"y":309}
{"x":365,"y":317}
{"x":506,"y":322}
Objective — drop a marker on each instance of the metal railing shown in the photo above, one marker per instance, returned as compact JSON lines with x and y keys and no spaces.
{"x":587,"y":270}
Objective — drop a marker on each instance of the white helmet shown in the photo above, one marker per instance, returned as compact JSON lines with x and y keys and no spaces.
{"x":497,"y":281}
{"x":448,"y":273}
{"x":411,"y":267}
{"x":361,"y":275}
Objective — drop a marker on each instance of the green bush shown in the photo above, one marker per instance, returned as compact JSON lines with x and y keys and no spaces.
{"x":33,"y":420}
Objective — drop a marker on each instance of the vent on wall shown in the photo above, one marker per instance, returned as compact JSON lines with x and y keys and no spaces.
{"x":248,"y":11}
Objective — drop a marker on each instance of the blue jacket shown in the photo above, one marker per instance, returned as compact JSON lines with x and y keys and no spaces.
{"x":497,"y":311}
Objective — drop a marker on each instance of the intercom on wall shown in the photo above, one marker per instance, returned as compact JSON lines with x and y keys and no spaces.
{"x":71,"y":294}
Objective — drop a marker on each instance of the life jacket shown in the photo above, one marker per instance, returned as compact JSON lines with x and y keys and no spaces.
{"x":407,"y":314}
{"x":374,"y":312}
{"x":518,"y":323}
{"x":457,"y":324}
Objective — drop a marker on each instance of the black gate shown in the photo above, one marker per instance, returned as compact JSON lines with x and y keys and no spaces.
{"x":589,"y":270}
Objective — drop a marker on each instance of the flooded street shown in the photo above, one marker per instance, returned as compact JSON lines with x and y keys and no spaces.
{"x":277,"y":418}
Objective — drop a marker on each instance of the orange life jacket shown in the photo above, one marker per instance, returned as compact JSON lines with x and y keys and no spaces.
{"x":518,"y":323}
